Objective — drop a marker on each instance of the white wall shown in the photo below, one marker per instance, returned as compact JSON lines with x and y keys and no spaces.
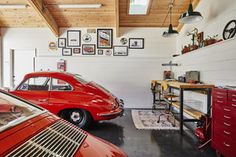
{"x":127,"y":77}
{"x":216,"y":63}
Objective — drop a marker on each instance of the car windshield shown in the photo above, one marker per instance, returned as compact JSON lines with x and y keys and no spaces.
{"x":14,"y":111}
{"x":81,"y":79}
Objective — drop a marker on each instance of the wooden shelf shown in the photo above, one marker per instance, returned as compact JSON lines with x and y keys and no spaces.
{"x":188,"y":110}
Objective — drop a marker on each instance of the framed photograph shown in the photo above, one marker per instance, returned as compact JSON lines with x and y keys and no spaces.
{"x":87,"y":38}
{"x":88,"y":49}
{"x":73,"y":38}
{"x":136,"y":43}
{"x":66,"y":52}
{"x":104,"y":38}
{"x":61,"y":42}
{"x":76,"y":50}
{"x":120,"y":51}
{"x":108,"y":52}
{"x":100,"y":52}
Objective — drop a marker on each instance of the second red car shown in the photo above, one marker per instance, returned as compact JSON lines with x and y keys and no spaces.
{"x":70,"y":96}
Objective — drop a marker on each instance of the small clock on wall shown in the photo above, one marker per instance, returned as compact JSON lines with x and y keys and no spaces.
{"x":87,"y":38}
{"x":123,"y":41}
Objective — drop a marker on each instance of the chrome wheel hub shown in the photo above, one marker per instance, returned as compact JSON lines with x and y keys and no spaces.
{"x":75,"y":116}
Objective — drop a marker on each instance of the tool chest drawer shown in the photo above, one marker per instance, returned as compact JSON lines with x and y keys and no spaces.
{"x":224,"y":121}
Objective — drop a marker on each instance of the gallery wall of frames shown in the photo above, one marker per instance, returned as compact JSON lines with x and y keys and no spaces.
{"x":96,"y":42}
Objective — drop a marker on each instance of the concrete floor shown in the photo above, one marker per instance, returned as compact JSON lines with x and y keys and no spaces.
{"x":148,"y":143}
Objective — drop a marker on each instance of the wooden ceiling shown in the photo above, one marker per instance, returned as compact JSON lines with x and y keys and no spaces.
{"x":113,"y":13}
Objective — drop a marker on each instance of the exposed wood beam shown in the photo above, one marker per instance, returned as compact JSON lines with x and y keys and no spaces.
{"x":195,"y":4}
{"x":117,"y":18}
{"x":42,"y":10}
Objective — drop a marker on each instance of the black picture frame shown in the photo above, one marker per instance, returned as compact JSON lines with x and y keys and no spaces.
{"x":67,"y":52}
{"x":76,"y":51}
{"x":100,"y":38}
{"x":136,"y":46}
{"x":60,"y":40}
{"x":124,"y":51}
{"x":100,"y":52}
{"x":88,"y":53}
{"x":73,"y":35}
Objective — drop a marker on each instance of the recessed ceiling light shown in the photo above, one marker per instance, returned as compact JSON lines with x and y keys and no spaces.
{"x":79,"y":6}
{"x":13,"y":6}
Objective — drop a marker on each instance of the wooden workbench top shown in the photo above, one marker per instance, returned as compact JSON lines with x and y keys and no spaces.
{"x":183,"y":85}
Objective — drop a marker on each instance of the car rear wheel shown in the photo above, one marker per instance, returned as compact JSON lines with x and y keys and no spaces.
{"x":78,"y":117}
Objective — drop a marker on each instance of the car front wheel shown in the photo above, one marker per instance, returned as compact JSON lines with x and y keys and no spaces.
{"x":78,"y":117}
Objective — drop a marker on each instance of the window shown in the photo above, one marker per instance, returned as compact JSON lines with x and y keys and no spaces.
{"x":14,"y":111}
{"x":81,"y":79}
{"x":35,"y":83}
{"x":139,"y":7}
{"x":60,"y":85}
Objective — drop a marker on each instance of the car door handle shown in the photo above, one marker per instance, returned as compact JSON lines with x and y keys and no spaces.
{"x":42,"y":100}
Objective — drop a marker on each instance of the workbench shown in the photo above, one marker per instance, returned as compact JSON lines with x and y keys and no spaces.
{"x":202,"y":88}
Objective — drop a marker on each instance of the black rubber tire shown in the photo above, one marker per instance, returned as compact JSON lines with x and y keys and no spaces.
{"x":83,"y":120}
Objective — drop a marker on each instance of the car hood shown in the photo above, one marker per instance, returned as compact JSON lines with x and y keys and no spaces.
{"x":59,"y":138}
{"x":94,"y":146}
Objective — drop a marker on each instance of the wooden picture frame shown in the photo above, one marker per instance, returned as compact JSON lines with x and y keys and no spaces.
{"x":61,"y":43}
{"x":104,"y":38}
{"x":66,"y":52}
{"x":136,"y":43}
{"x":120,"y":51}
{"x":73,"y":38}
{"x":88,"y":49}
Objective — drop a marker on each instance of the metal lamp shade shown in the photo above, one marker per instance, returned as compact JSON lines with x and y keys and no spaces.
{"x":190,"y":16}
{"x":170,"y":32}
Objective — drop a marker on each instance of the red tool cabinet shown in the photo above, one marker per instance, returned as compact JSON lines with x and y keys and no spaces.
{"x":224,"y":121}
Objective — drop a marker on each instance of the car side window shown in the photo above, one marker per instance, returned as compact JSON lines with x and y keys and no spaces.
{"x":36,"y":84}
{"x":60,"y":85}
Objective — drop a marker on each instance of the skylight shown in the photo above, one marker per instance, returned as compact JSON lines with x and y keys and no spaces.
{"x":138,"y":7}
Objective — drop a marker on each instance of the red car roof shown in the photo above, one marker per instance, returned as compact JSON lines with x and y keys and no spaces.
{"x":49,"y":74}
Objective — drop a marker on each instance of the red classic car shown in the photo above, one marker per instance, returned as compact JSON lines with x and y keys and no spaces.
{"x":30,"y":131}
{"x":70,"y":96}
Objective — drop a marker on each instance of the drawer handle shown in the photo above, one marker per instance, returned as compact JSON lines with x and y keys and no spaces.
{"x":233,"y":95}
{"x":227,"y":133}
{"x":227,"y":145}
{"x":234,"y":100}
{"x":233,"y":105}
{"x":228,"y":110}
{"x":220,"y":97}
{"x":219,"y":93}
{"x":227,"y":117}
{"x":226,"y":124}
{"x":219,"y":101}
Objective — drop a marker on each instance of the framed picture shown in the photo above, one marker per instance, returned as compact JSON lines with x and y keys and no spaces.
{"x":88,"y":49}
{"x":104,"y":38}
{"x":76,"y":50}
{"x":66,"y":52}
{"x":136,"y":43}
{"x":73,"y":38}
{"x":100,"y":52}
{"x":87,"y":38}
{"x":108,"y":52}
{"x":120,"y":51}
{"x":61,"y":42}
